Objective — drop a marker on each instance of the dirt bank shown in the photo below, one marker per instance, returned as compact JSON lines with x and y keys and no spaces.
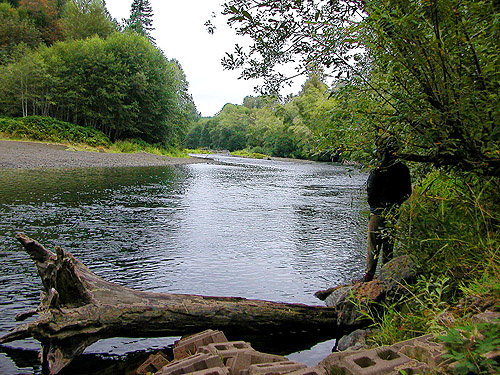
{"x":28,"y":155}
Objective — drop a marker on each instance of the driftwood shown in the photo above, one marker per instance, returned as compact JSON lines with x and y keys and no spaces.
{"x":78,"y":308}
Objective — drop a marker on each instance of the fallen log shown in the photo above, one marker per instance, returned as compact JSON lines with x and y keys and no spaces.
{"x":78,"y":308}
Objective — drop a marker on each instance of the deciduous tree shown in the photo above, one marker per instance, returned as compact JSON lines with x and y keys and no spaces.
{"x":425,"y":71}
{"x":82,"y":19}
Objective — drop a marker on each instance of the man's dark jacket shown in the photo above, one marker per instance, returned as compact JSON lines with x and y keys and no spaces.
{"x":388,"y":186}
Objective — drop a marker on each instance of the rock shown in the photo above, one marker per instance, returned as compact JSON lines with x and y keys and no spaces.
{"x":446,"y":318}
{"x":396,"y":272}
{"x":488,"y":317}
{"x":348,"y":311}
{"x":354,"y":341}
{"x":323,"y":294}
{"x":352,"y":301}
{"x":478,"y":304}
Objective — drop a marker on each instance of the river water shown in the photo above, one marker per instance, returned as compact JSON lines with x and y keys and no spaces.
{"x":273,"y":230}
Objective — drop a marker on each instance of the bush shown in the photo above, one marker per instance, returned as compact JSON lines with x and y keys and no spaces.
{"x":467,"y":345}
{"x":451,"y":226}
{"x":130,"y":145}
{"x":49,"y":129}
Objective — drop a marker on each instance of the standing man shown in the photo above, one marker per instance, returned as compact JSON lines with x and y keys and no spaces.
{"x":388,"y":186}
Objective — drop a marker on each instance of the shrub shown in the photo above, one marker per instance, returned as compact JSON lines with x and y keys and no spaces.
{"x":49,"y":129}
{"x":467,"y":345}
{"x":451,"y":226}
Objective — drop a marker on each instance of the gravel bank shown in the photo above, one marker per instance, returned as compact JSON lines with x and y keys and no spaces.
{"x":29,"y":155}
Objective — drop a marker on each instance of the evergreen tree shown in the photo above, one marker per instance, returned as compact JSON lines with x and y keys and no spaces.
{"x":141,"y":18}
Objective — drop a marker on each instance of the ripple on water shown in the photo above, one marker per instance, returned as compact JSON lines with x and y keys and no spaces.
{"x":256,"y":229}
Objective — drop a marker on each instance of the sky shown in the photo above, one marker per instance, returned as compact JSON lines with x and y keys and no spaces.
{"x":181,"y":34}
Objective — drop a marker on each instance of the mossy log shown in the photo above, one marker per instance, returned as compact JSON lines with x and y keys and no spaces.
{"x":78,"y":308}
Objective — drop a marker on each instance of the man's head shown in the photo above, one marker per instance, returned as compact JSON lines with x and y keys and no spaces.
{"x":387,"y":147}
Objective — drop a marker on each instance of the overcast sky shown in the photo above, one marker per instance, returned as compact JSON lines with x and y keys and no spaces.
{"x":181,"y":34}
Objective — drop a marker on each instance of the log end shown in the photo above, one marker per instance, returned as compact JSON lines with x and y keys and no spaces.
{"x":36,"y":251}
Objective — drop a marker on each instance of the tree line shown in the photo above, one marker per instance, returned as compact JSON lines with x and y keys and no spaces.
{"x":68,"y":59}
{"x":272,"y":126}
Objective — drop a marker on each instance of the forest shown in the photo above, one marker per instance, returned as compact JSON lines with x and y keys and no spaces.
{"x":268,"y":126}
{"x":426,"y":72}
{"x":70,"y":61}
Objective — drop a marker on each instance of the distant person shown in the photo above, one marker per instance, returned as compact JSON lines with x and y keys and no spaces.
{"x":388,"y":186}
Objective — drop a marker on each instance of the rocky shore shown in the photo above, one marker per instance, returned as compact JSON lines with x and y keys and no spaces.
{"x":29,"y":155}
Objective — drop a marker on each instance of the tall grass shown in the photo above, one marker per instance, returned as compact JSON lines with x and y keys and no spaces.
{"x":451,"y":226}
{"x":138,"y":145}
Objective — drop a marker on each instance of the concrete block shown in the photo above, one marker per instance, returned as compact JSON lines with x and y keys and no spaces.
{"x":317,"y":370}
{"x":154,"y":363}
{"x":334,"y":363}
{"x":242,"y":360}
{"x":212,"y":371}
{"x":486,"y":317}
{"x":226,"y":350}
{"x":190,"y":364}
{"x":425,"y":351}
{"x":400,"y":344}
{"x":382,"y":360}
{"x":413,"y":368}
{"x":189,"y":345}
{"x":275,"y":368}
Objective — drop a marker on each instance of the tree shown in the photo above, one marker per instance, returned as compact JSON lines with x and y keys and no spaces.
{"x":45,"y":15}
{"x":426,"y":72}
{"x":121,"y":85}
{"x":141,"y":18}
{"x":15,"y":30}
{"x":82,"y":19}
{"x":23,"y":86}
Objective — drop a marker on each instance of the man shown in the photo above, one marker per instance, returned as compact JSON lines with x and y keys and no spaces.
{"x":388,"y":186}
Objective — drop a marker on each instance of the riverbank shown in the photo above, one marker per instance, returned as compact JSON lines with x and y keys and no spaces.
{"x":30,"y":155}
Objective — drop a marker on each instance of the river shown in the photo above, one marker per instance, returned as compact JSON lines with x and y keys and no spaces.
{"x":273,"y":230}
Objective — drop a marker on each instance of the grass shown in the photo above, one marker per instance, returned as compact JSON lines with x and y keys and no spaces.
{"x":249,"y":154}
{"x":135,"y":146}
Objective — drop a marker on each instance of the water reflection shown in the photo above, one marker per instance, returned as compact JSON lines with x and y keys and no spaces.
{"x":257,"y":229}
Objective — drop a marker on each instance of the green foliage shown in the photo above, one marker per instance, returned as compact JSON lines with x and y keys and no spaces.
{"x":466,"y":347}
{"x":451,"y":226}
{"x":487,"y":286}
{"x":118,"y":83}
{"x":426,"y":72}
{"x":293,"y":129}
{"x":15,"y":30}
{"x":82,"y":19}
{"x":51,"y":130}
{"x":250,"y":154}
{"x":121,"y":85}
{"x":138,"y":145}
{"x":45,"y":16}
{"x":415,"y":313}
